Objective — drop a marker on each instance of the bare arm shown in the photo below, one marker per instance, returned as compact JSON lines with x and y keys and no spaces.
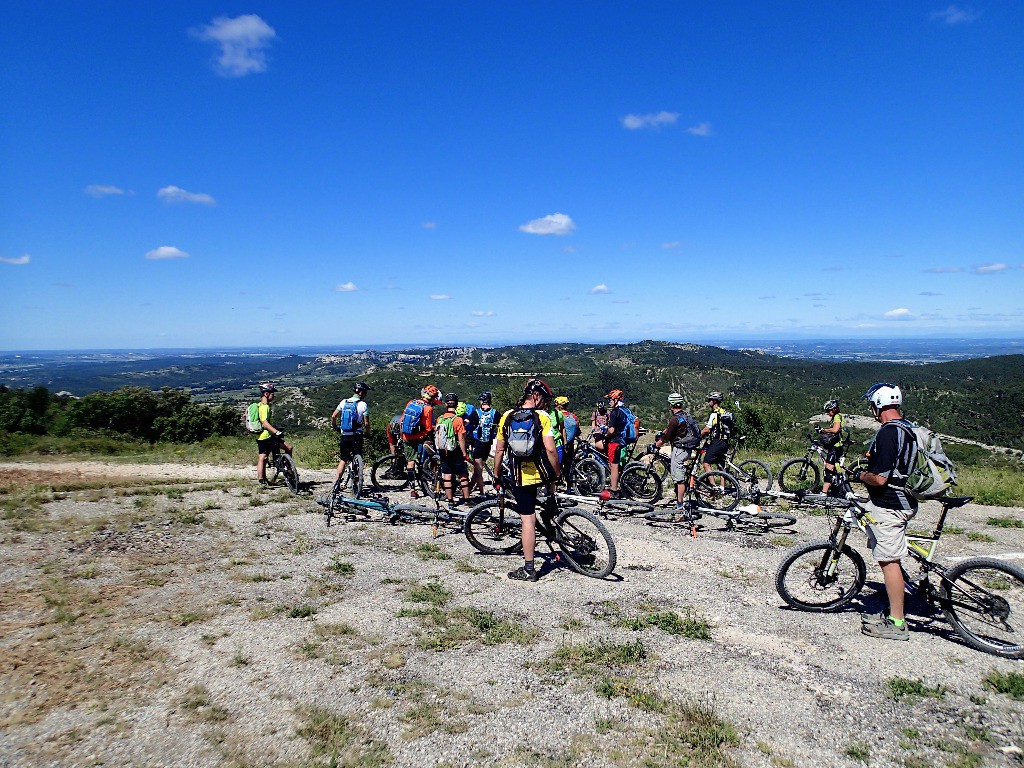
{"x":552,"y":453}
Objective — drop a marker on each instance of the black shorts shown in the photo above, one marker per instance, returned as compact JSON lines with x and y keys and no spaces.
{"x":715,"y":454}
{"x":349,"y":446}
{"x":526,"y":498}
{"x":833,"y":454}
{"x":268,"y":446}
{"x":452,"y":463}
{"x":481,"y":450}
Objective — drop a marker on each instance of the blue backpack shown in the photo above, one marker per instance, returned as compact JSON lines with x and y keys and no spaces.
{"x":629,"y":431}
{"x":412,"y":417}
{"x":485,"y":425}
{"x":572,"y":427}
{"x":350,"y":423}
{"x":522,"y":433}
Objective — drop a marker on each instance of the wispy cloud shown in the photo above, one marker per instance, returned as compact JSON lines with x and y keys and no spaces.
{"x":166,"y":252}
{"x":653,"y":120}
{"x":552,"y":224}
{"x":174,"y":194}
{"x":600,"y":288}
{"x":570,"y":249}
{"x":944,"y":270}
{"x":929,"y":293}
{"x":16,"y":260}
{"x":702,"y":129}
{"x":988,"y":269}
{"x":242,"y":42}
{"x":954,"y":15}
{"x":439,"y":297}
{"x":429,"y":225}
{"x":673,"y":244}
{"x":348,"y":287}
{"x":898,"y":314}
{"x":102,"y":190}
{"x":482,"y":313}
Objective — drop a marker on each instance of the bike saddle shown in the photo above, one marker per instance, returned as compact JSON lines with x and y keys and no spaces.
{"x":954,"y":501}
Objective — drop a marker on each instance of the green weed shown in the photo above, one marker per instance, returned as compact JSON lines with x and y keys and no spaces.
{"x":902,"y":687}
{"x":1010,"y":683}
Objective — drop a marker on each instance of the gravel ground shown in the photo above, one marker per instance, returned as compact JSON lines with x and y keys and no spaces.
{"x":148,"y":623}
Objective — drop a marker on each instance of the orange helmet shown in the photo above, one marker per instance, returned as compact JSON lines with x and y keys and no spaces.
{"x":430,"y":393}
{"x":615,"y":394}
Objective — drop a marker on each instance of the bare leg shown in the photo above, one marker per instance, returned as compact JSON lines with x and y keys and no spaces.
{"x":529,"y":536}
{"x":894,"y":587}
{"x":261,"y":467}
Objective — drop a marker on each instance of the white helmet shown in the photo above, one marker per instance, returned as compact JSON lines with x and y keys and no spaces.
{"x":675,"y":399}
{"x":884,"y":395}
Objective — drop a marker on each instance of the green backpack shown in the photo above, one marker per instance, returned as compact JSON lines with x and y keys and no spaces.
{"x":252,"y":418}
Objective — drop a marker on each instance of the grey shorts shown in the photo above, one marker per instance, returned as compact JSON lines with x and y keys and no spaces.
{"x":887,"y":536}
{"x":677,"y":464}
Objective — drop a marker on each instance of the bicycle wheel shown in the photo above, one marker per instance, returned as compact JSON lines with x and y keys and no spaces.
{"x":799,"y":475}
{"x":672,"y":516}
{"x":334,"y":497}
{"x":717,"y":490}
{"x":409,"y":513}
{"x":983,"y":599}
{"x":492,"y":532}
{"x":639,"y":482}
{"x":585,"y":543}
{"x":586,"y":477}
{"x":430,"y":475}
{"x":357,"y":475}
{"x":755,"y":473}
{"x":388,"y":473}
{"x":289,"y":472}
{"x":764,"y":521}
{"x":801,"y":580}
{"x":627,"y":507}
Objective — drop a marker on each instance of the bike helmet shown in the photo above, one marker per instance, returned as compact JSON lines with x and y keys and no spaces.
{"x":361,"y":388}
{"x":268,"y":388}
{"x":615,"y":394}
{"x":562,"y":400}
{"x":430,"y":393}
{"x":540,"y":387}
{"x":485,"y":397}
{"x":883,"y":395}
{"x":451,"y":399}
{"x":830,"y":405}
{"x":675,"y":399}
{"x":716,"y":396}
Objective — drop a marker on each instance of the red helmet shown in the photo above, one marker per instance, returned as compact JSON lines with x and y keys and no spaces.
{"x":615,"y":394}
{"x":430,"y":393}
{"x":540,"y":387}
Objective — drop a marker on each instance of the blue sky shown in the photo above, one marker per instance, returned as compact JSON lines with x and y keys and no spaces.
{"x":196,"y":174}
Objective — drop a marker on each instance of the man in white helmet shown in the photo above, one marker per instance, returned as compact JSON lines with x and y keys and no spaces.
{"x":683,"y":434}
{"x":891,"y":458}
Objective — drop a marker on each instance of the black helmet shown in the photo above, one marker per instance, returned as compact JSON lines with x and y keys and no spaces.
{"x":451,"y":399}
{"x":361,"y":388}
{"x":540,"y":387}
{"x":268,"y":388}
{"x":485,"y":397}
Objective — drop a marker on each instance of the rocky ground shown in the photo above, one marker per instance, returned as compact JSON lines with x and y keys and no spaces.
{"x":159,"y":615}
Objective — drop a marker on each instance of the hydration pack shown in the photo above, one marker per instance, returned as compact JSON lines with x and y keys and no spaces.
{"x":252,"y":418}
{"x":412,"y":418}
{"x":522,"y":433}
{"x":726,"y":424}
{"x":932,"y":472}
{"x":630,"y":432}
{"x":690,"y":438}
{"x":444,"y":433}
{"x":350,"y":423}
{"x":485,"y":425}
{"x":572,"y":427}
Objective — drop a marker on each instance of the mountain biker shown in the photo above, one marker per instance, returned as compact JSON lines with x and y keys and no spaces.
{"x":482,"y":436}
{"x":679,"y":433}
{"x":394,"y":434}
{"x":420,"y":432}
{"x":530,"y":472}
{"x":891,"y":458}
{"x":271,"y":437}
{"x":570,"y":423}
{"x":353,"y":414}
{"x":558,"y":425}
{"x":450,"y":440}
{"x":831,"y":438}
{"x":598,"y":419}
{"x":717,"y":434}
{"x":614,"y":437}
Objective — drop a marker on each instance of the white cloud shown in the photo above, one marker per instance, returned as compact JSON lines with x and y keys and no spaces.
{"x":552,"y":224}
{"x":16,"y":260}
{"x":703,"y":129}
{"x":954,"y":15}
{"x":429,"y":225}
{"x":988,"y":269}
{"x":600,"y":288}
{"x":902,"y":312}
{"x":674,"y":244}
{"x":102,"y":190}
{"x":944,"y":270}
{"x":439,"y":297}
{"x":929,"y":293}
{"x":174,"y":194}
{"x":242,"y":41}
{"x":166,"y":252}
{"x":348,"y":287}
{"x":482,"y":313}
{"x":653,"y":120}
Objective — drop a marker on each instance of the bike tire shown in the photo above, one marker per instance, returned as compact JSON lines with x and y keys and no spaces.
{"x":627,"y":506}
{"x":717,"y":490}
{"x":587,"y":477}
{"x":388,"y":474}
{"x":430,"y":475}
{"x":764,"y":521}
{"x":672,"y":516}
{"x":639,"y":482}
{"x":799,"y":580}
{"x":585,"y":543}
{"x":357,"y":475}
{"x":415,"y":514}
{"x":755,"y":473}
{"x":983,"y":599}
{"x":289,"y":473}
{"x":491,"y":533}
{"x":799,"y":474}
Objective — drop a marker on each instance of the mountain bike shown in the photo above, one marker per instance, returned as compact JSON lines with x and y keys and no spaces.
{"x":802,"y":473}
{"x":347,"y":508}
{"x":982,"y":597}
{"x":281,"y":466}
{"x":636,"y":480}
{"x":602,"y":504}
{"x":494,"y":527}
{"x":351,"y":478}
{"x":388,"y":472}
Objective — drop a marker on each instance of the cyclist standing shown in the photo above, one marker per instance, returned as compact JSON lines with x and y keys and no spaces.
{"x":717,"y":433}
{"x":482,"y":438}
{"x":525,"y":433}
{"x":891,"y":458}
{"x":450,"y":441}
{"x":683,"y":434}
{"x":351,"y":418}
{"x":831,"y":438}
{"x":571,"y":427}
{"x":271,"y":437}
{"x":599,"y":419}
{"x":417,"y":429}
{"x":615,"y":436}
{"x":394,"y":434}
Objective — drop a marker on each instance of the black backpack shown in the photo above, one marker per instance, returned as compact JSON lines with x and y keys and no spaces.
{"x":690,"y":439}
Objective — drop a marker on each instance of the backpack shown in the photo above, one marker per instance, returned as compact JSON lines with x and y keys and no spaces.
{"x":444,"y":433}
{"x":691,"y":438}
{"x":349,"y":421}
{"x":932,"y":473}
{"x":572,"y":426}
{"x":252,"y":419}
{"x":484,"y":426}
{"x":412,"y":418}
{"x":631,"y":431}
{"x":522,"y":433}
{"x":726,"y":424}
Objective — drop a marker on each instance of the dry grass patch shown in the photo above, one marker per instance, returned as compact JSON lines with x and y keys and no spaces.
{"x":341,"y":740}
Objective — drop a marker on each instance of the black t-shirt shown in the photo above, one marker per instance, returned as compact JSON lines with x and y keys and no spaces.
{"x":617,"y":421}
{"x":891,"y":455}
